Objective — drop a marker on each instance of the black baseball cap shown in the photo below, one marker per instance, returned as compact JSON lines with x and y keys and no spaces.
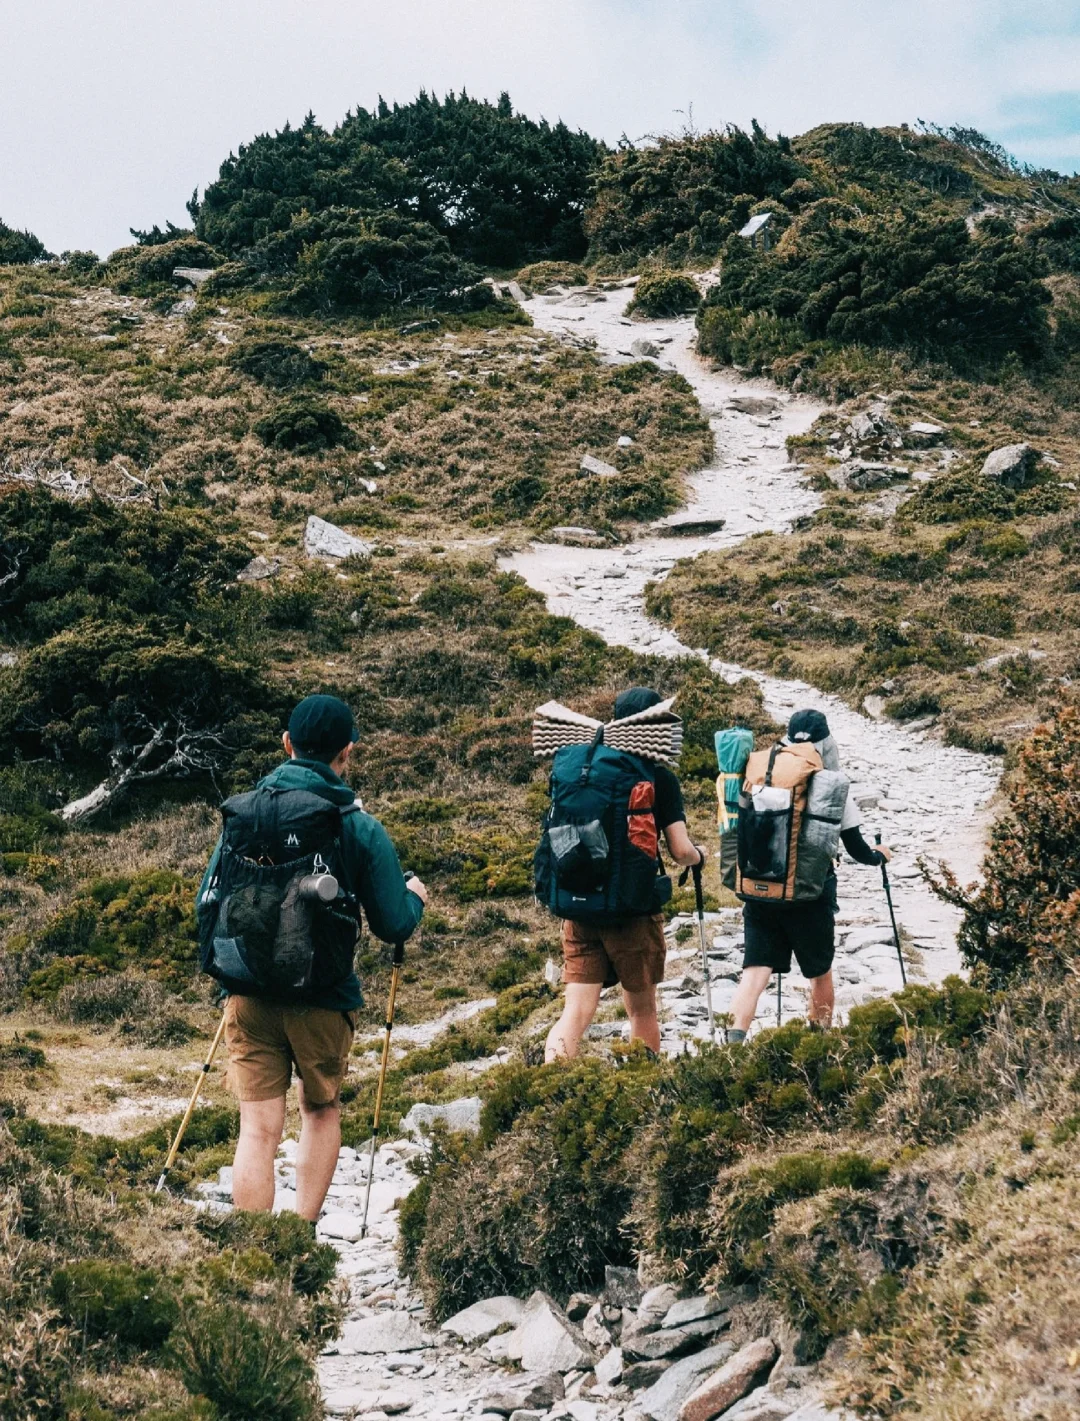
{"x":321,"y":726}
{"x":808,"y":725}
{"x":635,"y":700}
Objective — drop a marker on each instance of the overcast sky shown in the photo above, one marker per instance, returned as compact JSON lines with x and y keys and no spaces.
{"x":112,"y":111}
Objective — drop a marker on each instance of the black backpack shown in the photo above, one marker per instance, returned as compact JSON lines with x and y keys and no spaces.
{"x":598,"y":858}
{"x":263,"y":923}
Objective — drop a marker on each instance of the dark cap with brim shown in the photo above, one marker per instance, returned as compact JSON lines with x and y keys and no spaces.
{"x":635,"y":700}
{"x":321,"y":726}
{"x":808,"y":725}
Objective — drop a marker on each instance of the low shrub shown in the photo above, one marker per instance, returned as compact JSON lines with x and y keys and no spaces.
{"x":540,"y":275}
{"x":303,"y":426}
{"x":665,"y":293}
{"x":1027,"y":911}
{"x":143,"y":270}
{"x":133,"y":1307}
{"x":281,"y":364}
{"x":246,"y":1361}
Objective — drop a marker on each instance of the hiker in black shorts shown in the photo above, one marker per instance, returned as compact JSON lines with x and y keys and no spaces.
{"x":776,"y":932}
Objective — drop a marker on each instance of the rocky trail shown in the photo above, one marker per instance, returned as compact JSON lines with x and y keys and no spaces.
{"x":924,"y":796}
{"x":624,"y":1354}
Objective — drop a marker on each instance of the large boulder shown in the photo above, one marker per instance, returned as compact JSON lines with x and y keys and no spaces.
{"x":483,"y":1319}
{"x":1011,"y":465}
{"x":326,"y":540}
{"x":666,"y":1395}
{"x":671,"y":1341}
{"x":547,"y":1341}
{"x":738,"y":1375}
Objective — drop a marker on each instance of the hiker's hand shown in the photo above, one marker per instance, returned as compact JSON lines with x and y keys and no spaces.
{"x":702,"y":856}
{"x":414,"y":885}
{"x":885,"y":853}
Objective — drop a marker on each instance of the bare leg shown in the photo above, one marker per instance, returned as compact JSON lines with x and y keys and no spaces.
{"x":822,"y":999}
{"x":641,"y":1009}
{"x":753,"y":982}
{"x":261,"y":1124}
{"x":564,"y":1038}
{"x":316,"y":1155}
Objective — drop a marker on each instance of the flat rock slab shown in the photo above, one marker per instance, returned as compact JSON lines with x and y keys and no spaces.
{"x":664,"y":1398}
{"x":340,"y":1225}
{"x":754,"y":404}
{"x":386,"y":1332}
{"x":693,"y":1310}
{"x":672,"y":1341}
{"x":540,"y":1391}
{"x":479,"y":1322}
{"x":326,"y":540}
{"x":348,"y":1400}
{"x":591,"y":465}
{"x":579,"y":537}
{"x":730,"y":1382}
{"x":687,"y":526}
{"x":459,"y":1116}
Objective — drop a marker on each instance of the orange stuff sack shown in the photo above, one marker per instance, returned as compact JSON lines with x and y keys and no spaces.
{"x":641,"y":821}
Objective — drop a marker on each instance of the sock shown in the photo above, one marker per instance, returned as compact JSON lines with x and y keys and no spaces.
{"x":734,"y":1036}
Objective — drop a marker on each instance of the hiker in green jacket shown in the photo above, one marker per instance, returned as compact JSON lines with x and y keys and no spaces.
{"x":269,"y":1033}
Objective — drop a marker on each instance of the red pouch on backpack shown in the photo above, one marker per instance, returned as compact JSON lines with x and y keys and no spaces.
{"x":641,"y":822}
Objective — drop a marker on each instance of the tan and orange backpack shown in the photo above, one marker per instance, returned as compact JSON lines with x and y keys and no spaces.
{"x":790,"y":812}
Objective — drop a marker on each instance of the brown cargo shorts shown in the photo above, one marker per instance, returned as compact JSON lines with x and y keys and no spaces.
{"x":632,"y":952}
{"x":266,"y":1040}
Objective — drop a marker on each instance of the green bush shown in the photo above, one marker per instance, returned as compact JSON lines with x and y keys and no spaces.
{"x":19,"y":248}
{"x":1026,"y":914}
{"x":247,"y":1362}
{"x":304,"y":426}
{"x":745,"y":1200}
{"x":351,"y":260}
{"x":501,"y":187}
{"x":288,"y":1240}
{"x":540,"y":275}
{"x":281,"y":364}
{"x":134,"y":1307}
{"x":143,"y":270}
{"x":665,"y":293}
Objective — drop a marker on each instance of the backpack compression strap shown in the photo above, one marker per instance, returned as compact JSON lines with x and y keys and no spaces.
{"x":772,"y":761}
{"x":586,"y":769}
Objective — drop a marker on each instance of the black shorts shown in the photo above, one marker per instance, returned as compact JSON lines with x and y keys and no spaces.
{"x":773,"y":934}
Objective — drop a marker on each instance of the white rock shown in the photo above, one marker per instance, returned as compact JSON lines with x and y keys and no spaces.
{"x":348,"y":1400}
{"x":609,"y":1367}
{"x":325,"y":540}
{"x":196,"y":275}
{"x":458,"y":1115}
{"x":624,"y":441}
{"x":478,"y":1322}
{"x":591,"y":465}
{"x":548,"y":1340}
{"x":692,"y":1310}
{"x":1010,"y":465}
{"x":385,"y":1332}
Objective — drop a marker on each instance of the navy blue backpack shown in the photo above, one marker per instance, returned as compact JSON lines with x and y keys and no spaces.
{"x":598,"y":859}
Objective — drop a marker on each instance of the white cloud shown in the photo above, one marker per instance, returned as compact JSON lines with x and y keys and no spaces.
{"x":114,"y":111}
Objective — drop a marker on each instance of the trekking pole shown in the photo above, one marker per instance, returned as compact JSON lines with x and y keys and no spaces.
{"x":892,"y":914}
{"x":779,"y":996}
{"x":700,"y":897}
{"x":171,"y":1156}
{"x":395,"y":975}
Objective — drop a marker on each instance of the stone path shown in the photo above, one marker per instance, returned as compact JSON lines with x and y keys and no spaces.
{"x":617,"y":1362}
{"x":925,"y":797}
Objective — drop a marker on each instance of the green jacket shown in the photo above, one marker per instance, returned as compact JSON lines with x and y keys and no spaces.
{"x":372,"y":872}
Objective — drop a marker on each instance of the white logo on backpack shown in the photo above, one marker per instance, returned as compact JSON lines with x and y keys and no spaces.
{"x":292,"y":841}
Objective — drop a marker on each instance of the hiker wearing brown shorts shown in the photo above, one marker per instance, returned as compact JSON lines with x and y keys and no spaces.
{"x":630,"y":952}
{"x":272,"y":1034}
